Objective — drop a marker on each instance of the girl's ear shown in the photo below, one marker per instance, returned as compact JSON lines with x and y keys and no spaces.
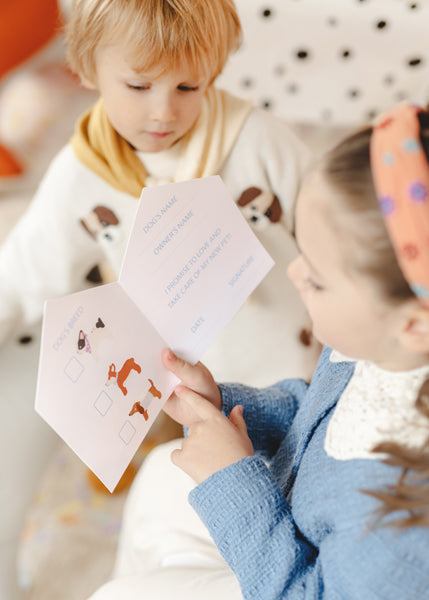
{"x":414,"y":335}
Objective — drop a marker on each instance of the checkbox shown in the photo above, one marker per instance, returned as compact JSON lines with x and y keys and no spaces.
{"x":103,"y":403}
{"x":74,"y":369}
{"x":127,"y":432}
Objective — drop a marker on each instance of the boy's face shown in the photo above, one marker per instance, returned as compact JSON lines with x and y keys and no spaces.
{"x":149,"y":110}
{"x":346,"y":310}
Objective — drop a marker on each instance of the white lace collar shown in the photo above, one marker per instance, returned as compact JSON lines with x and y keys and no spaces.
{"x":377,"y":405}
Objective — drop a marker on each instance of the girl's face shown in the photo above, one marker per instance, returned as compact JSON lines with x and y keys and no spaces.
{"x":151,"y":111}
{"x":346,"y":311}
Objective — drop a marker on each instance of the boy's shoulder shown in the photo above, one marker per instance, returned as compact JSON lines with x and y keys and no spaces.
{"x":71,"y":176}
{"x":64,"y":183}
{"x":70,"y":187}
{"x":255,"y":117}
{"x":261,"y":119}
{"x":265,"y":130}
{"x":65,"y":167}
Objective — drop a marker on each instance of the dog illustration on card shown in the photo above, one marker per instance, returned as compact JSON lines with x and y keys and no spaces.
{"x":87,"y":341}
{"x":119,"y":377}
{"x":142,"y":407}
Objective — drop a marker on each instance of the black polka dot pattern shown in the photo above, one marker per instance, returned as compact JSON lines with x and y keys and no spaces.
{"x":381,"y":24}
{"x":302,"y":54}
{"x":266,"y":13}
{"x":415,"y":62}
{"x":341,"y":64}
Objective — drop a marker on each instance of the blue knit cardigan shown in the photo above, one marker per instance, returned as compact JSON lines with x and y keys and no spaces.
{"x":291,"y":521}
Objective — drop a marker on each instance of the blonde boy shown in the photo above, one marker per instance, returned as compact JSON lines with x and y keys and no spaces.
{"x":159,"y":119}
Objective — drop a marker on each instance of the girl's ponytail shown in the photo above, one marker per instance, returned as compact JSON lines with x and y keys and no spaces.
{"x":409,"y":496}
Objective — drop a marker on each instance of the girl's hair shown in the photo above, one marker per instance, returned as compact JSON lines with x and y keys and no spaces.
{"x":347,"y":169}
{"x":160,"y":33}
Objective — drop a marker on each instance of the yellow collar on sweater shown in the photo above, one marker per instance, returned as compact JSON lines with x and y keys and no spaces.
{"x":207,"y":145}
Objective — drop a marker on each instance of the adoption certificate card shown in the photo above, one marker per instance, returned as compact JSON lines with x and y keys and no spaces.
{"x":191,"y":262}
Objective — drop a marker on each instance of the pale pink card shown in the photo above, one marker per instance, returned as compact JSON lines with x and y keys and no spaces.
{"x":191,"y":262}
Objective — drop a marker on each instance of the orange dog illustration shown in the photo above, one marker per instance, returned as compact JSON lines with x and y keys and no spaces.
{"x":152,"y":390}
{"x":122,"y":375}
{"x":137,"y":407}
{"x":142,"y":408}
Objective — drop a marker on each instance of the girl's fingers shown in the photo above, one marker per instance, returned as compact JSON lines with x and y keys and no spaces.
{"x":175,"y":364}
{"x":199,"y":405}
{"x":196,"y":377}
{"x":192,"y":374}
{"x":237,"y":419}
{"x":175,"y":457}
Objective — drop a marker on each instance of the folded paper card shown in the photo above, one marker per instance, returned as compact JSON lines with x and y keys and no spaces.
{"x":191,"y":262}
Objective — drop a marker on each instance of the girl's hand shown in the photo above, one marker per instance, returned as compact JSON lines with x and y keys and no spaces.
{"x":196,"y":377}
{"x":213,"y":441}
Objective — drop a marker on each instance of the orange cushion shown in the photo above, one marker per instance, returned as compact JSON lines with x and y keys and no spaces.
{"x":25,"y":26}
{"x":8,"y":164}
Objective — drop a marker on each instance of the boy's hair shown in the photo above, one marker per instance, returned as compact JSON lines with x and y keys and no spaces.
{"x":160,"y":33}
{"x":348,"y":171}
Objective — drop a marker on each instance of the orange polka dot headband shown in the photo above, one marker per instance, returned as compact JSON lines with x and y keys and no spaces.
{"x":400,"y":173}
